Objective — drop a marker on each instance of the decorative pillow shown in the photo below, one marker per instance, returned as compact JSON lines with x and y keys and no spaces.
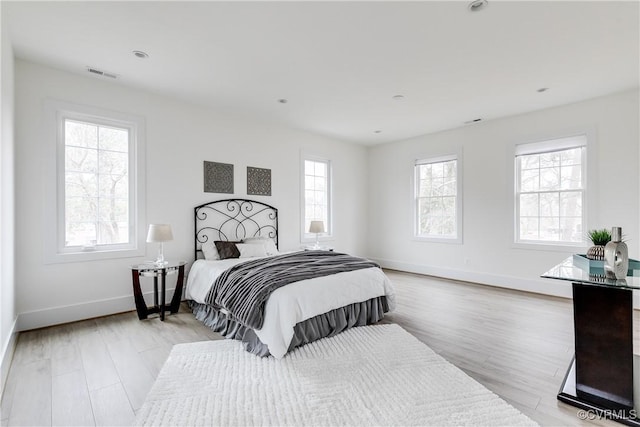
{"x":267,"y":242}
{"x":227,"y":249}
{"x":258,"y":239}
{"x":270,"y":247}
{"x":209,"y":251}
{"x":251,"y":250}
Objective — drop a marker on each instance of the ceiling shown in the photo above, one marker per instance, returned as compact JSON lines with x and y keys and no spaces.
{"x":339,"y":64}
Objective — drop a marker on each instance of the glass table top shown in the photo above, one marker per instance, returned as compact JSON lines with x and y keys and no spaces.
{"x":150,"y":265}
{"x":579,"y":269}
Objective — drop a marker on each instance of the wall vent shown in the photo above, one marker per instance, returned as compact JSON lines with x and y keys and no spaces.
{"x":102,"y":73}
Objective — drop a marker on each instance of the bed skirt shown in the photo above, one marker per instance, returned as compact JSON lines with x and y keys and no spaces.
{"x":320,"y":326}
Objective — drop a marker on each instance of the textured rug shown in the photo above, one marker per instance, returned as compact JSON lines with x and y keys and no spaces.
{"x":372,"y":375}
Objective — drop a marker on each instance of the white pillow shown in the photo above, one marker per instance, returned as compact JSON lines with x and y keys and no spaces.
{"x":270,"y":247}
{"x":251,"y":250}
{"x":259,"y":239}
{"x":210,"y":251}
{"x":267,"y":242}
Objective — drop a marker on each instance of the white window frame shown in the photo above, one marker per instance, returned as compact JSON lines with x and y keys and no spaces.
{"x":550,"y":144}
{"x":307,"y":237}
{"x":457,"y":239}
{"x":56,"y":112}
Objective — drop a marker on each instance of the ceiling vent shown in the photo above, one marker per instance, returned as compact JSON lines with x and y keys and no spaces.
{"x":476,"y":5}
{"x":102,"y":73}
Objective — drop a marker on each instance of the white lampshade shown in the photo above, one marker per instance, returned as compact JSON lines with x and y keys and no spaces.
{"x":159,"y":233}
{"x":316,"y":227}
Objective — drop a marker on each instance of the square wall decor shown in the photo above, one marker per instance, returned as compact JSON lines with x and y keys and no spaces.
{"x":258,"y":181}
{"x":218,"y":177}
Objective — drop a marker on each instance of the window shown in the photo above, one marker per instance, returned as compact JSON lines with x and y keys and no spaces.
{"x":550,"y":191}
{"x":437,"y":201}
{"x":97,"y":183}
{"x":317,"y":195}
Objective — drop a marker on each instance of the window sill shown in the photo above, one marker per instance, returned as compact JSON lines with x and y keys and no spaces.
{"x":92,"y":255}
{"x":321,"y":239}
{"x":570,"y":249}
{"x":446,"y":240}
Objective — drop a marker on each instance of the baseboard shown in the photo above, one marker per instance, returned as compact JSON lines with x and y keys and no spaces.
{"x":7,"y":356}
{"x":75,"y":312}
{"x":539,"y":286}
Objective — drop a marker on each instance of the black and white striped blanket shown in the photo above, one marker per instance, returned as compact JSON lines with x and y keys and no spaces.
{"x":243,"y":289}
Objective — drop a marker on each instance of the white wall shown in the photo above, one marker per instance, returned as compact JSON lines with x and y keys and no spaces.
{"x":180,"y":136}
{"x":7,"y":283}
{"x":487,"y":254}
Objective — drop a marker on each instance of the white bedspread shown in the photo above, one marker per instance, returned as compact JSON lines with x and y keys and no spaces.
{"x":297,"y":301}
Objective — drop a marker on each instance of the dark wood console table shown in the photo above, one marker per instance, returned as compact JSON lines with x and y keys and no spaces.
{"x":601,"y":378}
{"x":157,"y":272}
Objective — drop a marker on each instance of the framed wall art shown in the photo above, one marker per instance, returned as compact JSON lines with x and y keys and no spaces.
{"x":218,"y":177}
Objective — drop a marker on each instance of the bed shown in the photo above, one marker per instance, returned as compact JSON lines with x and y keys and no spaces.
{"x":274,"y":301}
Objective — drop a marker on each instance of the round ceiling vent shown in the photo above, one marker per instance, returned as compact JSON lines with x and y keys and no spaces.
{"x":476,"y":5}
{"x":140,"y":54}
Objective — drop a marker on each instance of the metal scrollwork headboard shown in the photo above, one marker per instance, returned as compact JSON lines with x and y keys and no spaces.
{"x":234,"y":220}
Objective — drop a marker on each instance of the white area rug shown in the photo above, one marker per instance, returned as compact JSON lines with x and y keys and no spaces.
{"x":372,"y":375}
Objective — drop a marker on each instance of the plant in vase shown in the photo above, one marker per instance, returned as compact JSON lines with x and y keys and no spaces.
{"x":599,"y":238}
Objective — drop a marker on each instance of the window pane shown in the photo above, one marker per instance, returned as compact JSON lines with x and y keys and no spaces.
{"x":550,"y":179}
{"x":308,"y":182}
{"x":529,"y":205}
{"x":571,"y":204}
{"x":436,"y":202}
{"x":437,"y":170}
{"x":448,"y":226}
{"x":316,"y":204}
{"x":319,"y":198}
{"x":425,"y":187}
{"x":550,"y":228}
{"x":96,"y":184}
{"x":425,"y":217}
{"x":571,"y":229}
{"x":424,"y":171}
{"x":80,"y":184}
{"x":114,"y":186}
{"x":80,"y":134}
{"x":319,"y":184}
{"x":114,"y":139}
{"x":449,"y":206}
{"x":571,"y":177}
{"x":571,"y":157}
{"x":308,"y":167}
{"x":449,"y":187}
{"x":530,"y":180}
{"x":550,"y":204}
{"x":320,"y":169}
{"x":529,"y":162}
{"x":449,"y":170}
{"x":81,"y":159}
{"x":558,"y":214}
{"x":528,"y":228}
{"x":80,"y":221}
{"x":81,"y":234}
{"x":550,"y":160}
{"x":113,"y":163}
{"x":437,"y":187}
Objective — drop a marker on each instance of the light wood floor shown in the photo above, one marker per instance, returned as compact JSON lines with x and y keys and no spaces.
{"x":98,"y":372}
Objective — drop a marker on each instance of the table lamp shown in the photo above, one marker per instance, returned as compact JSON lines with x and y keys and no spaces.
{"x":159,"y":233}
{"x":316,"y":227}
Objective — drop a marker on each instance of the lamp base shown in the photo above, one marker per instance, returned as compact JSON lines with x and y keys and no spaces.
{"x":160,"y":262}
